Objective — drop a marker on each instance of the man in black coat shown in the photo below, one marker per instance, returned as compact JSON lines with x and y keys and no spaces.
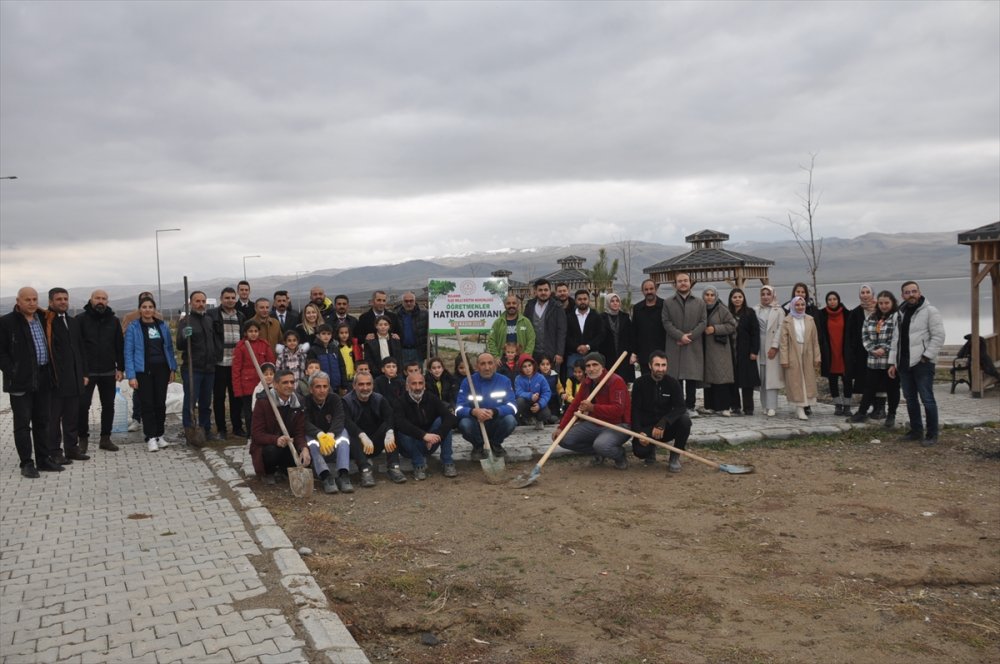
{"x":62,"y":332}
{"x":197,"y":328}
{"x":244,"y":304}
{"x":412,"y":329}
{"x":659,"y":411}
{"x":24,"y":361}
{"x":104,"y":353}
{"x":341,"y":314}
{"x":584,"y":329}
{"x":647,"y":326}
{"x":424,"y":423}
{"x":549,"y":320}
{"x":365,"y":328}
{"x":287,"y":318}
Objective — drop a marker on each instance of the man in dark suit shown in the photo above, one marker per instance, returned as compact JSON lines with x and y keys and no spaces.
{"x":365,"y":329}
{"x":244,"y":304}
{"x":584,"y":329}
{"x":549,"y":320}
{"x":24,"y":360}
{"x":286,"y":317}
{"x":62,"y":332}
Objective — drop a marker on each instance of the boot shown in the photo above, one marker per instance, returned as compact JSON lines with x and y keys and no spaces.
{"x":847,"y":406}
{"x":890,"y":421}
{"x":878,"y":411}
{"x":83,"y":442}
{"x":106,"y":444}
{"x":838,"y":408}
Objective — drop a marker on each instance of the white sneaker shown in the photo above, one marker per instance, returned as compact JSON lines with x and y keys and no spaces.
{"x":801,"y":413}
{"x":726,"y":413}
{"x":693,"y":413}
{"x":152,"y":445}
{"x":770,"y":412}
{"x":134,"y":425}
{"x":162,"y":442}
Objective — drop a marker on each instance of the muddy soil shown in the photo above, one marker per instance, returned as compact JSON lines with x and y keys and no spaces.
{"x":836,"y":550}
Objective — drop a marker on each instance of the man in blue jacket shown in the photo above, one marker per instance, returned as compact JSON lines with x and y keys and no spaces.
{"x":494,"y":406}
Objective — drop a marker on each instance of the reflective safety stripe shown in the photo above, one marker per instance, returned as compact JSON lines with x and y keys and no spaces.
{"x":514,"y":407}
{"x":478,"y":397}
{"x":498,"y":395}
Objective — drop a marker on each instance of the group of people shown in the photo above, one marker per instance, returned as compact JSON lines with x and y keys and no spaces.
{"x":351,"y":388}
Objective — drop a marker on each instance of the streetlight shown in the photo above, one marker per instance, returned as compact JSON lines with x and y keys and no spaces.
{"x":245,"y":264}
{"x":8,"y":177}
{"x":159,"y":290}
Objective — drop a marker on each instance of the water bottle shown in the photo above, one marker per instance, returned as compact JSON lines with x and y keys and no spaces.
{"x":120,"y":423}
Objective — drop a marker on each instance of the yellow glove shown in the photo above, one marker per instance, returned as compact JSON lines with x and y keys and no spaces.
{"x":326,"y":443}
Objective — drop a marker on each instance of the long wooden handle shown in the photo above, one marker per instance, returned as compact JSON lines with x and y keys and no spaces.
{"x":652,"y":441}
{"x":472,"y":388}
{"x":577,"y":413}
{"x":271,"y":400}
{"x":190,"y":358}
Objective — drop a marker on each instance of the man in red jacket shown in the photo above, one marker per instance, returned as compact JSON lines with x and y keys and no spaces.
{"x":270,"y":448}
{"x":612,"y":404}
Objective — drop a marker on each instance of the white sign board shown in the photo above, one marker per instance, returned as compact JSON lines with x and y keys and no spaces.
{"x":473,"y":303}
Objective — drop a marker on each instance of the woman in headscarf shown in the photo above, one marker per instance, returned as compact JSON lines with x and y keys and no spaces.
{"x":718,"y":355}
{"x":800,"y":357}
{"x":831,"y":324}
{"x":746,"y":348}
{"x":801,"y":290}
{"x":855,"y":355}
{"x":877,"y":337}
{"x":617,"y":337}
{"x":769,"y":319}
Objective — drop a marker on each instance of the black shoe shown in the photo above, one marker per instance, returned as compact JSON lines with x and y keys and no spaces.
{"x":329,"y":485}
{"x":240,"y":433}
{"x":858,"y":418}
{"x":396,"y":475}
{"x":367,"y":478}
{"x":622,"y":463}
{"x":269,"y":479}
{"x":838,"y":409}
{"x":929,"y":441}
{"x":650,"y":460}
{"x":50,"y":466}
{"x":914,"y":435}
{"x":478,"y":454}
{"x":498,"y":452}
{"x":878,"y":414}
{"x":847,"y":411}
{"x":344,"y":484}
{"x":77,"y":455}
{"x":809,"y":410}
{"x":29,"y":470}
{"x":106,"y":444}
{"x":62,"y":460}
{"x":83,"y":443}
{"x":598,"y":460}
{"x":890,"y":422}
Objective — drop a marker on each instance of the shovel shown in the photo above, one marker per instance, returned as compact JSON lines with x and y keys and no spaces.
{"x":731,"y":468}
{"x":194,"y":434}
{"x":522,"y":481}
{"x":300,"y":479}
{"x":494,"y":467}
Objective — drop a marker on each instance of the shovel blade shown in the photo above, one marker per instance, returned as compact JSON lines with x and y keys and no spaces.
{"x":522,"y":481}
{"x":300,"y":481}
{"x":195,"y":436}
{"x":494,"y":469}
{"x":735,"y":469}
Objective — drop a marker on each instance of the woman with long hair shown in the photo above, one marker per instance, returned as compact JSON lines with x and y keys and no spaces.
{"x":800,"y":289}
{"x":831,"y":324}
{"x":311,"y":319}
{"x":877,"y":338}
{"x":720,"y":325}
{"x":746,"y":348}
{"x":149,"y":366}
{"x":800,"y":357}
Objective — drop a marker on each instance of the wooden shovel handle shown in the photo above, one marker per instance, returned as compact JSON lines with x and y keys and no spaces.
{"x":652,"y":441}
{"x":472,"y":387}
{"x":572,"y":421}
{"x":271,"y":400}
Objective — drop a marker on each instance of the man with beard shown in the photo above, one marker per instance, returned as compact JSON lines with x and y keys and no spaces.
{"x":287,"y":318}
{"x":318,"y":297}
{"x":227,"y":323}
{"x":611,"y":405}
{"x":647,"y":326}
{"x":562,"y":296}
{"x":658,"y":411}
{"x":369,"y":423}
{"x":199,"y":349}
{"x":916,"y":342}
{"x":69,"y":378}
{"x":584,"y":329}
{"x":549,"y":321}
{"x":341,"y":314}
{"x":104,"y":355}
{"x":495,"y":406}
{"x":424,"y":423}
{"x":684,"y":319}
{"x":412,"y":329}
{"x":512,"y":327}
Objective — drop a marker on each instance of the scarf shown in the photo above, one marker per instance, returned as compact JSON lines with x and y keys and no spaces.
{"x":870,"y":307}
{"x":791,"y":308}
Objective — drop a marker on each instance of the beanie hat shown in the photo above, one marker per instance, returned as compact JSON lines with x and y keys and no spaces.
{"x":594,"y":357}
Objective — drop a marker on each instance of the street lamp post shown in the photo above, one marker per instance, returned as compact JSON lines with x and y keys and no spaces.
{"x":245,"y":264}
{"x":159,"y":289}
{"x":8,"y":177}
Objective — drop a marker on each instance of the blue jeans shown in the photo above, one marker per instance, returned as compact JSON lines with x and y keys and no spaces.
{"x":204,"y":384}
{"x":918,"y":380}
{"x":340,"y":457}
{"x":497,"y":429}
{"x":416,"y":449}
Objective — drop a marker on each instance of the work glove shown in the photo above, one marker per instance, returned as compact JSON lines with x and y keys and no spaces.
{"x":326,"y":443}
{"x":390,"y":441}
{"x":188,"y":332}
{"x":366,"y":444}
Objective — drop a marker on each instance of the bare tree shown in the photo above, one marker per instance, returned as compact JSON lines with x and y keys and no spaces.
{"x":802,"y":224}
{"x":625,"y":250}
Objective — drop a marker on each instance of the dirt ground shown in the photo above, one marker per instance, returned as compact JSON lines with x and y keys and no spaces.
{"x":836,"y":550}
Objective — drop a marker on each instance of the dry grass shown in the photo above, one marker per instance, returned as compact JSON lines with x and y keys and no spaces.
{"x":488,"y":623}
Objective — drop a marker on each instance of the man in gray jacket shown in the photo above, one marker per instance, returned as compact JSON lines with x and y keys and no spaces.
{"x":684,"y":319}
{"x":916,"y":342}
{"x":549,"y":320}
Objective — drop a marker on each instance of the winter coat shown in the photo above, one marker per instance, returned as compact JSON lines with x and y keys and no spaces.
{"x":498,"y":336}
{"x":414,"y":419}
{"x":419,"y":328}
{"x":827,"y":351}
{"x":270,"y":330}
{"x":656,"y":403}
{"x":685,"y":316}
{"x":266,"y":430}
{"x":103,"y":341}
{"x":799,"y":362}
{"x":374,"y":356}
{"x":773,"y":373}
{"x":245,"y":377}
{"x":445,"y":387}
{"x":718,"y":354}
{"x":329,"y":417}
{"x":647,"y":330}
{"x":65,"y":354}
{"x":494,"y":394}
{"x":550,"y":328}
{"x":204,"y":347}
{"x":366,"y":324}
{"x":18,"y":360}
{"x":376,"y":411}
{"x":855,"y":355}
{"x":611,"y":350}
{"x":746,"y":372}
{"x":612,"y":404}
{"x":135,"y":348}
{"x":525,"y":388}
{"x":219,"y":328}
{"x":331,"y":362}
{"x":292,"y":360}
{"x":926,"y":334}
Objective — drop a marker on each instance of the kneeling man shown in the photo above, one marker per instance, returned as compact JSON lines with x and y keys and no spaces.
{"x":611,"y":404}
{"x":270,"y":448}
{"x":658,"y":410}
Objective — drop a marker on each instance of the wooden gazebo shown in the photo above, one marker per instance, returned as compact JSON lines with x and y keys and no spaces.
{"x":572,"y":274}
{"x":709,"y":262}
{"x":985,"y":260}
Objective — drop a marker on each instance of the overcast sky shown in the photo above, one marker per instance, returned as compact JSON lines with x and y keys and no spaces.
{"x":339,"y":134}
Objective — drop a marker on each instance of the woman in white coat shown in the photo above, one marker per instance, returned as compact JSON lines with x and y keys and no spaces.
{"x":769,"y":317}
{"x":800,"y":357}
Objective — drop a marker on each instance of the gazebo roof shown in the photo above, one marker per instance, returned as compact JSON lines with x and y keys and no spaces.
{"x":706,"y":236}
{"x":707,"y":258}
{"x":987,"y":233}
{"x":567,"y":275}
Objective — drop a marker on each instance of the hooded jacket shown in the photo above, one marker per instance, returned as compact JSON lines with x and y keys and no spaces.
{"x":103,"y":341}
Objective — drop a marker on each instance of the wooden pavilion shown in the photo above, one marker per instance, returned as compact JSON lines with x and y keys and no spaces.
{"x":572,"y":274}
{"x":985,"y":260}
{"x":708,"y":261}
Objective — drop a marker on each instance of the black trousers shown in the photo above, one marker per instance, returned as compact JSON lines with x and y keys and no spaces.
{"x":690,"y":392}
{"x":877,"y":380}
{"x":718,"y":397}
{"x":224,"y":386}
{"x":678,"y":433}
{"x":741,"y":398}
{"x":64,"y":415}
{"x":31,"y":421}
{"x":105,"y":386}
{"x":277,"y":457}
{"x":153,"y":395}
{"x":364,"y":460}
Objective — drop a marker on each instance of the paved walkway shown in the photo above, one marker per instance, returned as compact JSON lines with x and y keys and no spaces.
{"x":168,"y":557}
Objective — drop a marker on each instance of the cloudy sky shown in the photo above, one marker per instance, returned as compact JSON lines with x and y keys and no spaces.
{"x":339,"y":134}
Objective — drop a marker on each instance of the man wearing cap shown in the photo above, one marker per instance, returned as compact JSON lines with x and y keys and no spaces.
{"x":658,"y":410}
{"x":612,"y":404}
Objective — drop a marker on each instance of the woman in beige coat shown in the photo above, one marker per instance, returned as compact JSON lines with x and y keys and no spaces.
{"x":770,"y":316}
{"x":800,"y":358}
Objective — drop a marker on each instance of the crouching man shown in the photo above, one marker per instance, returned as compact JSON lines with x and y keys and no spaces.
{"x":369,"y":423}
{"x":326,"y":436}
{"x":424,"y":423}
{"x":611,"y":404}
{"x":494,"y":406}
{"x":270,"y":449}
{"x":658,"y":410}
